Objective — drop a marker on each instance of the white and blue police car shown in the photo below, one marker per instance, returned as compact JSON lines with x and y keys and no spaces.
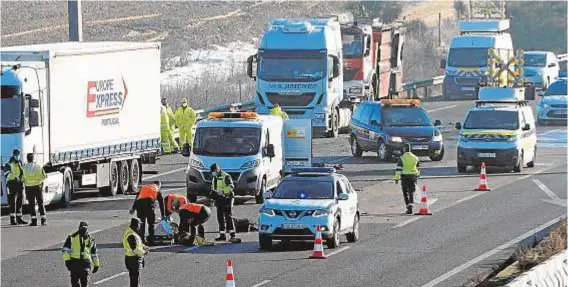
{"x":306,"y":198}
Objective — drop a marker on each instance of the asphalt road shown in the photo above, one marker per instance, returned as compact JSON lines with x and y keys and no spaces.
{"x":469,"y":232}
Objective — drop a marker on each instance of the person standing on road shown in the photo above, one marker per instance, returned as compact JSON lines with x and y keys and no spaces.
{"x":277,"y":111}
{"x":79,"y":253}
{"x":222,"y":192}
{"x":407,"y":171}
{"x":185,"y":120}
{"x":15,"y":178}
{"x":192,"y":217}
{"x":134,"y":251}
{"x":34,"y":175}
{"x":145,"y":204}
{"x":169,"y":143}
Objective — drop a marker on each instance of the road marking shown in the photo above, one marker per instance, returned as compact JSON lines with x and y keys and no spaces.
{"x":406,"y":222}
{"x":546,"y":190}
{"x":442,"y":108}
{"x":337,"y":251}
{"x":110,"y":278}
{"x":164,"y":173}
{"x":490,"y":253}
{"x":549,"y":132}
{"x":261,"y":283}
{"x":340,"y":159}
{"x":471,"y":197}
{"x":191,"y":248}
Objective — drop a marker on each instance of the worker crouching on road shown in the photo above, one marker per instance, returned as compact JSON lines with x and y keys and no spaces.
{"x":192,"y":216}
{"x":222,"y":192}
{"x":79,"y":253}
{"x":170,"y":200}
{"x":145,"y":204}
{"x":15,"y":181}
{"x":134,"y":251}
{"x":407,"y":171}
{"x":34,"y":175}
{"x":277,"y":111}
{"x":185,"y":120}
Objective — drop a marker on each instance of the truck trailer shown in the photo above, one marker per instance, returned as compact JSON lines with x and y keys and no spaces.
{"x":89,"y":111}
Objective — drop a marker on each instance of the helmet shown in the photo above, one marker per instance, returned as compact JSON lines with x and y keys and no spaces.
{"x":175,"y":204}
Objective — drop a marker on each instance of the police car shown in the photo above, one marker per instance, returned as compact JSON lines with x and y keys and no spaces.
{"x":499,"y":130}
{"x":386,"y":126}
{"x":306,"y":198}
{"x":553,"y":105}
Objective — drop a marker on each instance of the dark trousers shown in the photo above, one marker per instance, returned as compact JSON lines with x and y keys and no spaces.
{"x":134,"y":265}
{"x":145,"y":212}
{"x":34,"y":194}
{"x":15,"y":197}
{"x":79,"y":276}
{"x":196,"y":225}
{"x":408,"y":183}
{"x":225,"y":214}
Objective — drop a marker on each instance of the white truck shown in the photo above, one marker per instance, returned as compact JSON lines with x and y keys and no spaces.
{"x":90,"y":112}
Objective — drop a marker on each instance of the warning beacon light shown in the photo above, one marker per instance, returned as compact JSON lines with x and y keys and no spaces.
{"x":233,"y":115}
{"x":401,"y":102}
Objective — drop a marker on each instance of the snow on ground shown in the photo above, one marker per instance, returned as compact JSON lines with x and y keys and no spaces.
{"x":222,"y":61}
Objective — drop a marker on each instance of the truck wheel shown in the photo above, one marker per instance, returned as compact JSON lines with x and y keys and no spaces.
{"x":334,"y":131}
{"x":112,"y":189}
{"x":67,"y":189}
{"x":123,"y":177}
{"x":259,"y":196}
{"x":134,"y":176}
{"x":265,"y":242}
{"x":355,"y":148}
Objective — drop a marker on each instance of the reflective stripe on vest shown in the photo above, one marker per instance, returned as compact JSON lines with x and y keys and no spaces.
{"x":15,"y":171}
{"x":192,"y":207}
{"x":149,"y":191}
{"x":33,"y":174}
{"x":80,"y":249}
{"x":409,"y":162}
{"x":164,"y":121}
{"x":139,"y":251}
{"x":221,"y":186}
{"x":174,"y":196}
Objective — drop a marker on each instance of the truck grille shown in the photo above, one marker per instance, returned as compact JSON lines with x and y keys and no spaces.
{"x":469,"y":81}
{"x":291,"y":100}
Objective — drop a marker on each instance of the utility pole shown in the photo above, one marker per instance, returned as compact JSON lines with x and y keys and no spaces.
{"x":439,"y":29}
{"x":75,"y":20}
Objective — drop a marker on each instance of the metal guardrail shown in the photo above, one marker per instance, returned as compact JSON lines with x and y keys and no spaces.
{"x":553,"y":272}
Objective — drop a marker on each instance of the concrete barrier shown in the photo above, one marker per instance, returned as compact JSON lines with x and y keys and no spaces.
{"x":551,"y":273}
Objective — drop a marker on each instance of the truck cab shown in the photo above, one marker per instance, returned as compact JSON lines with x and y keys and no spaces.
{"x":299,"y":66}
{"x":467,"y":59}
{"x":247,"y":146}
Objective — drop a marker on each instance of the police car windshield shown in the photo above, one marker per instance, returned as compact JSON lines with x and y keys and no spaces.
{"x":535,"y":60}
{"x":467,"y":57}
{"x":11,"y":108}
{"x":557,"y":88}
{"x":292,"y":65}
{"x":301,"y":189}
{"x":404,"y":116}
{"x":223,"y":141}
{"x":492,"y":120}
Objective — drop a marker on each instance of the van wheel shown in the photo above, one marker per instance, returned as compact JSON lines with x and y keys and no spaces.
{"x":533,"y":161}
{"x":355,"y":148}
{"x":112,"y":189}
{"x":259,"y":196}
{"x":67,"y":189}
{"x":134,"y":176}
{"x":123,"y":177}
{"x":519,"y":167}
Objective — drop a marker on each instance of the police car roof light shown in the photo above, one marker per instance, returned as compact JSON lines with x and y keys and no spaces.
{"x":297,"y":170}
{"x":233,"y":115}
{"x":401,"y":102}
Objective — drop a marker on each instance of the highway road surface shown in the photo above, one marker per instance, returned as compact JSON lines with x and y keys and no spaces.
{"x":469,"y":232}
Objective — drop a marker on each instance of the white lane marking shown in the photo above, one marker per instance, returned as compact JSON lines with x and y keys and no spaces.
{"x":337,"y":251}
{"x":261,"y":283}
{"x":546,"y":190}
{"x":544,"y":164}
{"x":549,"y":132}
{"x":490,"y":253}
{"x":406,"y":222}
{"x":471,"y":196}
{"x":164,"y":173}
{"x":191,"y":248}
{"x":442,"y":108}
{"x":110,"y":278}
{"x":340,"y":159}
{"x":100,"y":199}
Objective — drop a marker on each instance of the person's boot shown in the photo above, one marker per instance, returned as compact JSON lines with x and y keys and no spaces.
{"x":13,"y":220}
{"x":222,"y":237}
{"x":34,"y":222}
{"x":409,"y":209}
{"x":44,"y":221}
{"x":19,"y":220}
{"x":234,"y":239}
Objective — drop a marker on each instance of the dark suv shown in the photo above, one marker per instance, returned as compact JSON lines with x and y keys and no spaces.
{"x":385,"y":126}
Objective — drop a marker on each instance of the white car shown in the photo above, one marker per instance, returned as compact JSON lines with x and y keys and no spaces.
{"x":540,"y":68}
{"x":305,"y":199}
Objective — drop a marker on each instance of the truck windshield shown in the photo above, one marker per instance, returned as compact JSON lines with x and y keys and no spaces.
{"x":225,"y":141}
{"x":304,"y":190}
{"x":12,"y":105}
{"x":400,"y":117}
{"x":492,"y":120}
{"x":352,"y":45}
{"x":292,"y":65}
{"x":467,"y":57}
{"x":535,"y":60}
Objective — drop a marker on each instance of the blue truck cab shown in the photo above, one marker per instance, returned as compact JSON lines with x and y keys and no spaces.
{"x":299,"y":67}
{"x":467,"y":59}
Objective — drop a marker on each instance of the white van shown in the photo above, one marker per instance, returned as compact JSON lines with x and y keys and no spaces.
{"x":467,"y":58}
{"x":246,"y":145}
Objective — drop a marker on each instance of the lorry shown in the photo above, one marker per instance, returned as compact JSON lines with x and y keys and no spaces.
{"x":299,"y":66}
{"x":372,"y":59}
{"x":466,"y":63}
{"x":90,"y":112}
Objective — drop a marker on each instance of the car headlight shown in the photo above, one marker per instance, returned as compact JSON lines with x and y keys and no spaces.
{"x":321,"y":212}
{"x":544,"y":105}
{"x":267,"y":211}
{"x":355,"y":90}
{"x":196,"y":164}
{"x":463,"y":138}
{"x":437,"y":138}
{"x":396,"y":139}
{"x":319,"y":116}
{"x":251,"y":164}
{"x":512,"y":138}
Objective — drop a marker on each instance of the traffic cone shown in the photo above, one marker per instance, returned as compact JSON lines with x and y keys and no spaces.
{"x":318,"y":246}
{"x":230,"y":279}
{"x":483,"y":180}
{"x":423,"y":203}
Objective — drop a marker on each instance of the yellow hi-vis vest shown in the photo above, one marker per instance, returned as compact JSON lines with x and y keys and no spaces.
{"x":409,"y":165}
{"x":164,"y":118}
{"x":279,"y":113}
{"x":221,"y":186}
{"x":185,"y":118}
{"x":81,"y":249}
{"x":139,"y":251}
{"x":15,"y":171}
{"x":33,"y":174}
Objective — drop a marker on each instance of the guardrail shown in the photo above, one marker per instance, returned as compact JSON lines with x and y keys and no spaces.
{"x":553,"y":272}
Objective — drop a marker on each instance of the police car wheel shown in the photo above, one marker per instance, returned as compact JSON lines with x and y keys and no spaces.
{"x":354,"y":235}
{"x":265,"y":242}
{"x":333,"y":242}
{"x":355,"y":148}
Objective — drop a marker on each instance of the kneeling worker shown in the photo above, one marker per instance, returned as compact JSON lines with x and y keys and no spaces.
{"x":173,"y":199}
{"x":192,"y":216}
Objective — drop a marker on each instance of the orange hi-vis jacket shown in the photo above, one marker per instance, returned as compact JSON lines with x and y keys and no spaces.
{"x":192,"y":207}
{"x":174,"y":196}
{"x":149,"y":191}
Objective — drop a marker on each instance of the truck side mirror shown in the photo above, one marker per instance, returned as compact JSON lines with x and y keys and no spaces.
{"x":34,"y":119}
{"x":34,"y":103}
{"x":443,"y":63}
{"x":458,"y":126}
{"x":437,"y":123}
{"x":269,"y":151}
{"x":335,"y":66}
{"x":250,"y":61}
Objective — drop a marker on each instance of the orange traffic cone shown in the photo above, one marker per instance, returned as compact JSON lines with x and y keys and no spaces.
{"x":483,"y":180}
{"x":318,"y":246}
{"x":423,"y":203}
{"x":230,"y":279}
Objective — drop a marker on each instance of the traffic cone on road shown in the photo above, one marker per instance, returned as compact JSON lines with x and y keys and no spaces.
{"x":230,"y":279}
{"x":423,"y":203}
{"x":318,"y":246}
{"x":483,"y":179}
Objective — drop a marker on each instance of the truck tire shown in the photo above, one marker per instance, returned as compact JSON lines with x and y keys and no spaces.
{"x":67,"y":189}
{"x":112,"y":189}
{"x":334,"y":131}
{"x":259,"y":198}
{"x":123,"y":177}
{"x":135,"y":176}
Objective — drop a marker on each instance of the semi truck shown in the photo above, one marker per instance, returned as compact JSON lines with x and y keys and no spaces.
{"x":372,"y":59}
{"x":299,"y":66}
{"x":89,"y":112}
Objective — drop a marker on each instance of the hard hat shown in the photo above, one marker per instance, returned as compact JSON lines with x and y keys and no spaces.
{"x":184,"y":101}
